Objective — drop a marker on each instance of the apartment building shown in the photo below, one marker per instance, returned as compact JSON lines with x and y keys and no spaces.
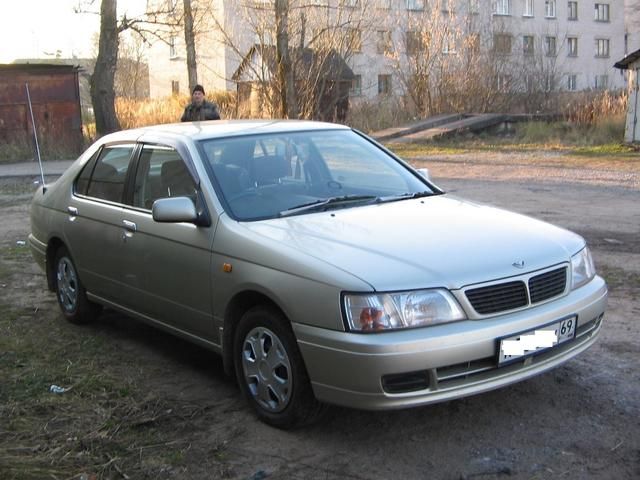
{"x":569,"y":45}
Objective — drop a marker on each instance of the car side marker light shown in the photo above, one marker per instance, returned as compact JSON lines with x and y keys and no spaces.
{"x":227,"y":267}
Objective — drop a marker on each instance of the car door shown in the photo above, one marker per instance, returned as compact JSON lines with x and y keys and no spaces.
{"x":94,"y":224}
{"x":167,"y":265}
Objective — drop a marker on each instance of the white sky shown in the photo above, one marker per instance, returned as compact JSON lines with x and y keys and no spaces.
{"x":38,"y":28}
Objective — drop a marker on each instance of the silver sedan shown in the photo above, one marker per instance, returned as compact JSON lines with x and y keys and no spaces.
{"x":324,"y":269}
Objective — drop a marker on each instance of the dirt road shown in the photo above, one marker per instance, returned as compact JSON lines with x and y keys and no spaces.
{"x":178,"y":416}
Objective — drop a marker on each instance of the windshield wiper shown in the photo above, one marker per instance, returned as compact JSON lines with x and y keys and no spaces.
{"x":404,"y":196}
{"x":329,"y":203}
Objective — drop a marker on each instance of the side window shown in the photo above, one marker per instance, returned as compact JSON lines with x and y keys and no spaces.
{"x":161,"y":174}
{"x":109,"y":174}
{"x":82,"y":182}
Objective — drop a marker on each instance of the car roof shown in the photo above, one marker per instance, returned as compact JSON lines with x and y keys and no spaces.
{"x":222,"y":128}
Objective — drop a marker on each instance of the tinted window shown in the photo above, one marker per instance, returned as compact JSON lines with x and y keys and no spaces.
{"x":110,"y":172}
{"x":82,"y":182}
{"x":161,"y":174}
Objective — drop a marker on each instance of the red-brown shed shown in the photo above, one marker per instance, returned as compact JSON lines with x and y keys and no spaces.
{"x":55,"y":98}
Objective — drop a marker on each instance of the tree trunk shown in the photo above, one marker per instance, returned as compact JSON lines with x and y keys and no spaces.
{"x":102,"y":80}
{"x":288,"y":107}
{"x":190,"y":41}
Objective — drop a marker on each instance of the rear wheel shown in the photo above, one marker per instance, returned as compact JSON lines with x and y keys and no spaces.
{"x":271,"y":372}
{"x":71,"y":295}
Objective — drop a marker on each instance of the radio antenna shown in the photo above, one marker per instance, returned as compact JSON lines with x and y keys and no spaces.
{"x":35,"y":135}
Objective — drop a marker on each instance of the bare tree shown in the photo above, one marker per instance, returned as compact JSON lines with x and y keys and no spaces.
{"x":301,"y":48}
{"x":190,"y":42}
{"x":102,"y":80}
{"x":132,"y":72}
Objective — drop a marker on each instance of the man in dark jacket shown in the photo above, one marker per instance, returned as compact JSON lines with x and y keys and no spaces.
{"x":199,"y":109}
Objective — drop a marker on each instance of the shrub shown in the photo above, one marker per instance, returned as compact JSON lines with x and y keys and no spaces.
{"x":372,"y":116}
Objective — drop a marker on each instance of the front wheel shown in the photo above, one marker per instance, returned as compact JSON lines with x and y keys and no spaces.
{"x":271,"y":372}
{"x":72,"y":297}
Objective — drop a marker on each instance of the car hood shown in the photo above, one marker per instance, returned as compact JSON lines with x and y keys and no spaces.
{"x":438,"y":241}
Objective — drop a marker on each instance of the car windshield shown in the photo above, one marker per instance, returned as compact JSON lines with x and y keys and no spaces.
{"x":293,"y":173}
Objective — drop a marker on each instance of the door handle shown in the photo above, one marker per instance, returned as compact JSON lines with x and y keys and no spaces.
{"x":72,"y":211}
{"x":130,"y":226}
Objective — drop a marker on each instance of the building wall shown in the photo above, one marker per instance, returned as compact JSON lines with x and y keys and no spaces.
{"x":55,"y":100}
{"x":218,"y":60}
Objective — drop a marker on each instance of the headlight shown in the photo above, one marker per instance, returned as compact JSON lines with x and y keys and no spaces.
{"x":387,"y":311}
{"x":582,"y":268}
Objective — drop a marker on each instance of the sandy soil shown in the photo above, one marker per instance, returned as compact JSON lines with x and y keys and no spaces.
{"x":580,"y":421}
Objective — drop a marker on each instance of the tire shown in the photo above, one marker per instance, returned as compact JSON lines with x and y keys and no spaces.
{"x":270,"y":370}
{"x":71,"y":294}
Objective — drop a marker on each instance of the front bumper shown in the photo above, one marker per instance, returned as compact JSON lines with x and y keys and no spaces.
{"x":456,"y":359}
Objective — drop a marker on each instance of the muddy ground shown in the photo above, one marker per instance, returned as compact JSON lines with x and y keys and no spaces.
{"x":145,"y":405}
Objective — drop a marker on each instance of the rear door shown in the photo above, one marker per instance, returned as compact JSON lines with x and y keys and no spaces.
{"x":93,"y":230}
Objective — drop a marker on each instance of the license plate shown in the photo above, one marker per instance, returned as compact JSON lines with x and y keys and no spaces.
{"x":536,"y":340}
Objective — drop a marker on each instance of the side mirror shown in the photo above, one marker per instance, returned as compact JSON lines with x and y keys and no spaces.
{"x":425,"y":173}
{"x":174,"y":210}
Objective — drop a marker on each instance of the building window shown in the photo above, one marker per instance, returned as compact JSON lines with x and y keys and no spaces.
{"x":502,"y":43}
{"x":550,"y":46}
{"x":350,"y":3}
{"x":415,"y":41}
{"x":527,"y":45}
{"x":354,"y":39}
{"x":572,"y":83}
{"x":502,"y":7}
{"x":626,"y":43}
{"x":416,"y":5}
{"x":473,"y":42}
{"x":602,"y":47}
{"x":572,"y":46}
{"x":549,"y":82}
{"x":175,"y":87}
{"x":356,"y":86}
{"x":529,"y":83}
{"x":384,"y":84}
{"x":504,"y":83}
{"x":448,"y":44}
{"x":601,"y":13}
{"x":572,"y":9}
{"x":528,"y":8}
{"x":550,"y":8}
{"x":383,"y":43}
{"x":264,"y":37}
{"x":173,"y":51}
{"x":601,"y":82}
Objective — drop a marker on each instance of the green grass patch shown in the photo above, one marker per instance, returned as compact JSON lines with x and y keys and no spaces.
{"x":606,"y":150}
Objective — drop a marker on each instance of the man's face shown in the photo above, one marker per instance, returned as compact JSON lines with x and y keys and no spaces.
{"x":197,"y":97}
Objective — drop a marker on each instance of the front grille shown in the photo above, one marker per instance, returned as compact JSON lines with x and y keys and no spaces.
{"x":503,"y":297}
{"x":547,"y":285}
{"x":498,"y":298}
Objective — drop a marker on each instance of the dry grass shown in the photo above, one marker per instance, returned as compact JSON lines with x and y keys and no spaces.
{"x":587,"y":108}
{"x":139,"y":113}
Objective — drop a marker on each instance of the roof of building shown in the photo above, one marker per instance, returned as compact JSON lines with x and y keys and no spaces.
{"x":628,"y":60}
{"x":332,"y":63}
{"x":37,"y":67}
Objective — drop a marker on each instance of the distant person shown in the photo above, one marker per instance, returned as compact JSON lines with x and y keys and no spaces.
{"x":199,"y":109}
